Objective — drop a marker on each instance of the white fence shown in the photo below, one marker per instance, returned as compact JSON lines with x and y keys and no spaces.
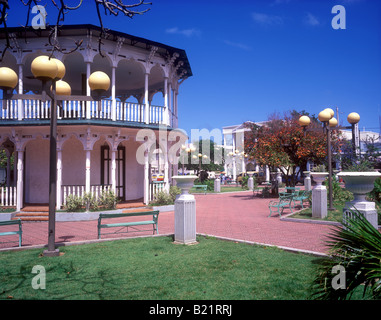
{"x":8,"y":196}
{"x":79,"y":191}
{"x":156,"y":187}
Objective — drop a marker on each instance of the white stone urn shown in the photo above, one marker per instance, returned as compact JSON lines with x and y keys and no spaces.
{"x":319,"y":178}
{"x":185,"y":183}
{"x":185,"y":211}
{"x":359,"y":183}
{"x":319,"y":195}
{"x":250,"y":181}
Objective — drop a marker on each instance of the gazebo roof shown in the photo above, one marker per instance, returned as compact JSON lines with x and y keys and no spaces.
{"x":76,"y":30}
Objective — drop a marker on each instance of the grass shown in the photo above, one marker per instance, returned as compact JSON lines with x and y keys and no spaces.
{"x":336,"y":215}
{"x":155,"y":268}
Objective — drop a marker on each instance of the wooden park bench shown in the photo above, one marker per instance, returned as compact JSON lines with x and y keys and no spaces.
{"x":154,"y":221}
{"x":284,"y":200}
{"x":12,"y":222}
{"x":201,"y":186}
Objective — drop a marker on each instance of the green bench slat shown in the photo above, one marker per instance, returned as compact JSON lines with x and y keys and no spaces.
{"x":154,"y":214}
{"x":12,"y":222}
{"x":126,"y":224}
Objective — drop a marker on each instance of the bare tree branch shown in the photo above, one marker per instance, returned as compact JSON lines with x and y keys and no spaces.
{"x":112,"y":7}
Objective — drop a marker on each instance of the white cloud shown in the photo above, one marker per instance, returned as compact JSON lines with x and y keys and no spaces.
{"x":266,"y":19}
{"x":311,"y":20}
{"x":184,"y":32}
{"x":237,"y":45}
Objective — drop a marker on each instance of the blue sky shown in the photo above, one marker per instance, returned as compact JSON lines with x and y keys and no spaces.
{"x":253,"y":58}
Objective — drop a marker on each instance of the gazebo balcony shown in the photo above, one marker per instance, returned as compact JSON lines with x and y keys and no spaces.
{"x":35,"y":110}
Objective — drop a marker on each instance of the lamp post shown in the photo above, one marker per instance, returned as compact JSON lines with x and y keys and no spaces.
{"x":329,"y":124}
{"x":187,"y":149}
{"x":52,"y":70}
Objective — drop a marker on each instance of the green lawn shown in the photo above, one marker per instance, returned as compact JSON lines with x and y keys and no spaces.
{"x":336,"y":215}
{"x":155,"y":268}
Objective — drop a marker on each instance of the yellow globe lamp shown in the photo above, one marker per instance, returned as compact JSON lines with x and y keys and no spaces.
{"x":100,"y":81}
{"x":333,"y":122}
{"x":353,"y":118}
{"x":61,"y":70}
{"x":44,"y":68}
{"x":304,"y":121}
{"x":8,"y":78}
{"x":63,"y":88}
{"x":332,"y":113}
{"x":324,"y":116}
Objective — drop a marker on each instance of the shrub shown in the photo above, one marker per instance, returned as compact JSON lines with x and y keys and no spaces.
{"x":164,"y":198}
{"x":107,"y":199}
{"x":74,"y":203}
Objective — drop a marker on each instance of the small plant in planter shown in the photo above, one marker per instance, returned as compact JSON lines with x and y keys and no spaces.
{"x":319,"y":173}
{"x":319,"y":168}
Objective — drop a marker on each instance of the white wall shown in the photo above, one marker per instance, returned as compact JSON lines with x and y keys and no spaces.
{"x":73,"y":163}
{"x":37,"y":171}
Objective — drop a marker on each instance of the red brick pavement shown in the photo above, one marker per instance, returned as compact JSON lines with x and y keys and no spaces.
{"x":230,"y":215}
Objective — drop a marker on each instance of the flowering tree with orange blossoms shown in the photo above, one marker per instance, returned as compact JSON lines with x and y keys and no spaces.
{"x":283,"y":144}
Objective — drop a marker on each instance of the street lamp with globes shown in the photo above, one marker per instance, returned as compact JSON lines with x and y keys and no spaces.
{"x":330,"y":123}
{"x":51,"y":70}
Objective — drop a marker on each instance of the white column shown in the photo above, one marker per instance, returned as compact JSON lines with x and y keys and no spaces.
{"x":166,"y":113}
{"x":175,"y":110}
{"x":113,"y":97}
{"x":20,"y":108}
{"x":166,"y":169}
{"x":113,"y":170}
{"x":267,"y":173}
{"x":146,"y":179}
{"x":20,"y":182}
{"x":234,"y":169}
{"x":146,"y":101}
{"x":59,"y":178}
{"x":88,"y":91}
{"x":88,"y":167}
{"x":170,"y":107}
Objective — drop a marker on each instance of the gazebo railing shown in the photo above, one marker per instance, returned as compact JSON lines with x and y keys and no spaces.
{"x":79,"y":190}
{"x":29,"y":109}
{"x":8,"y":196}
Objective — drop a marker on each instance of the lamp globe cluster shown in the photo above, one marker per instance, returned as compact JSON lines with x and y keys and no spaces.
{"x":46,"y":69}
{"x":327,"y":116}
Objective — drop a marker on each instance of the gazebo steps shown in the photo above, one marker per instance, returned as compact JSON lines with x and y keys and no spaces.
{"x":32,"y":216}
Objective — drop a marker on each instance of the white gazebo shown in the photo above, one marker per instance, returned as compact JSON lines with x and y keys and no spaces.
{"x":97,"y":142}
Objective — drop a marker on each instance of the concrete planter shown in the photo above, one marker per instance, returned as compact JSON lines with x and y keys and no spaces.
{"x":319,"y":195}
{"x":185,"y":211}
{"x":319,"y":178}
{"x":360,"y":183}
{"x":6,"y":216}
{"x":76,"y":216}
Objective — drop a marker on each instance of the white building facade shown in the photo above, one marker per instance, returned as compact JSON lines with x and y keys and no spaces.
{"x":96,"y":142}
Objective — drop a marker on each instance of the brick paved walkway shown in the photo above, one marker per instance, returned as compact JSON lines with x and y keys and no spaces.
{"x":230,"y":215}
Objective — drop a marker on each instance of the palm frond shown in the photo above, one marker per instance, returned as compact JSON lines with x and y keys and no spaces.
{"x":357,"y":247}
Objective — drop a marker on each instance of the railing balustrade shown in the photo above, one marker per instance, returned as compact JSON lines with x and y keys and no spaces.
{"x":79,"y":190}
{"x":154,"y":188}
{"x":29,"y":109}
{"x":8,"y":196}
